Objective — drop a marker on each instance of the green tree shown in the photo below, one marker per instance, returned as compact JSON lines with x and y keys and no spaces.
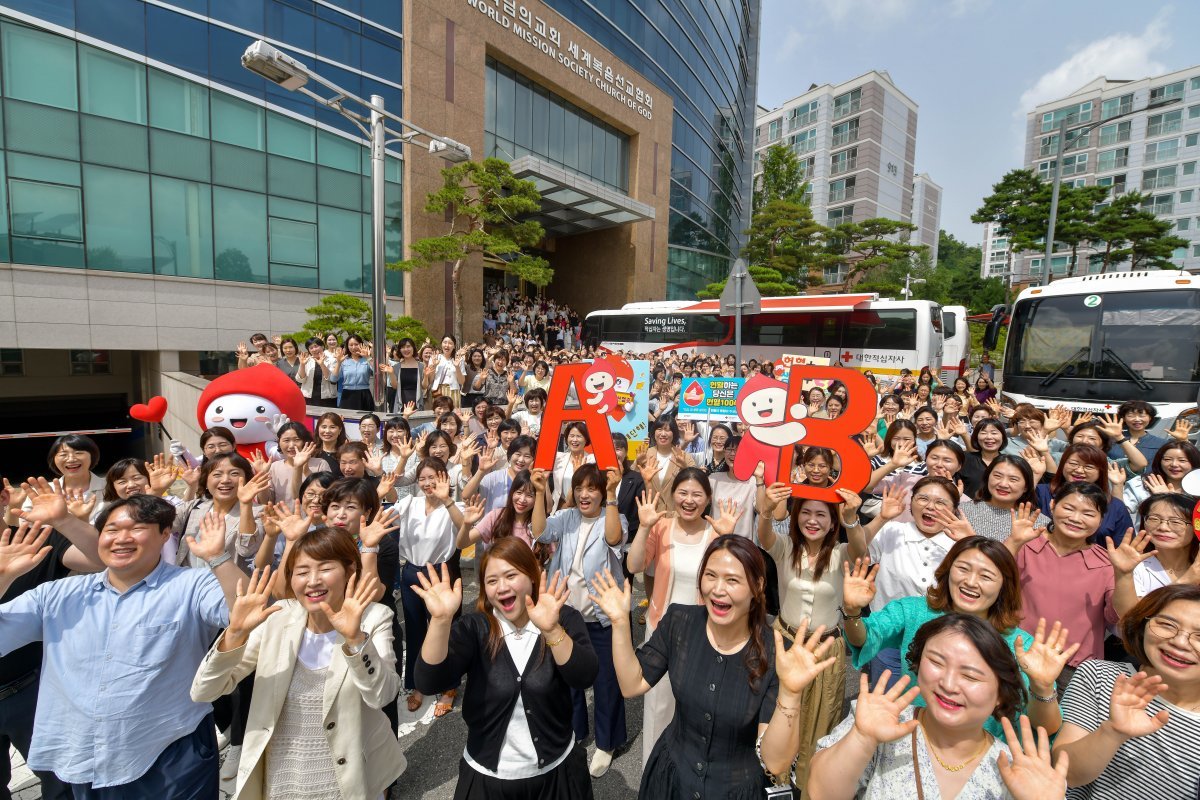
{"x":352,"y":315}
{"x":769,"y":281}
{"x":784,"y":237}
{"x":484,"y":204}
{"x":1020,"y":206}
{"x":874,"y":243}
{"x":782,"y":177}
{"x":1074,"y":225}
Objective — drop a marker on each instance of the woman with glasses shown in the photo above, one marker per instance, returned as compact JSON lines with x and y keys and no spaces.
{"x":1170,"y":464}
{"x":1132,"y":734}
{"x":1167,"y":526}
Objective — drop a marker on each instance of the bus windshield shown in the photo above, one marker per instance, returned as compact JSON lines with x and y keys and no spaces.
{"x":1156,"y":334}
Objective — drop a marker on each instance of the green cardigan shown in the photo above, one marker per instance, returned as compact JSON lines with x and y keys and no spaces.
{"x":895,"y":625}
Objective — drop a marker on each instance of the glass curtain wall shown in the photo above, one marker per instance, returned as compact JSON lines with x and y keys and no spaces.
{"x":111,"y":165}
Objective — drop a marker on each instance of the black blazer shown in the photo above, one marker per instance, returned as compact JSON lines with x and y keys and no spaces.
{"x":628,"y":492}
{"x":493,"y":687}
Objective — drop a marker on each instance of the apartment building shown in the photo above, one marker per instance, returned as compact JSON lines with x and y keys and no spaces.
{"x":857,"y":143}
{"x":997,"y":253}
{"x":926,"y":213}
{"x":1153,"y":151}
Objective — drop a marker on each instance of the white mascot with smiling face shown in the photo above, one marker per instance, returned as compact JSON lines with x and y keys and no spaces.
{"x":252,"y":403}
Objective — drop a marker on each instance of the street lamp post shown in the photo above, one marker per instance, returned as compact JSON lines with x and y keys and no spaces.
{"x":270,"y":63}
{"x":909,"y":279}
{"x":1056,"y":169}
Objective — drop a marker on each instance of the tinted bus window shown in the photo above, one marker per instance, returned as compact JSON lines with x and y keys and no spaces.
{"x":893,"y":329}
{"x":664,"y":327}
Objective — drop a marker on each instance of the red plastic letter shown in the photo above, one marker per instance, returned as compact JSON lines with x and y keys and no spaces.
{"x":557,"y":413}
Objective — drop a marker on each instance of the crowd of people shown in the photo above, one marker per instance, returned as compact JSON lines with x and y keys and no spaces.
{"x":1018,"y":590}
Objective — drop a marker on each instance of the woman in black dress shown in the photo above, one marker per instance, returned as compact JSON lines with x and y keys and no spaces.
{"x":736,"y":689}
{"x":522,"y":651}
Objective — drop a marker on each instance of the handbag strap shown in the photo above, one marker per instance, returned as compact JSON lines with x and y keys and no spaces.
{"x":917,"y":766}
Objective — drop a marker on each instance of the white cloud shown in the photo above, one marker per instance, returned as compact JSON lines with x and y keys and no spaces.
{"x":1122,"y":55}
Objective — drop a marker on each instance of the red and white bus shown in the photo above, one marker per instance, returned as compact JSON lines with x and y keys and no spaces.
{"x":856,"y":330}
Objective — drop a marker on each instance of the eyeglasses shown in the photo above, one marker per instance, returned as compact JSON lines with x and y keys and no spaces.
{"x":1174,"y":523}
{"x":1167,"y":630}
{"x":936,"y":502}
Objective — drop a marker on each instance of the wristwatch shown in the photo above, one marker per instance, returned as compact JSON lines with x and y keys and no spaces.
{"x":351,"y":652}
{"x":368,"y":550}
{"x":219,"y":560}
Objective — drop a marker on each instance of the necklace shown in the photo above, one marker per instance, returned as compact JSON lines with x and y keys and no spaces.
{"x":987,"y":742}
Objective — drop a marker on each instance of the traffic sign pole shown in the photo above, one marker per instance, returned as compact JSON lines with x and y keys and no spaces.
{"x":737,"y":298}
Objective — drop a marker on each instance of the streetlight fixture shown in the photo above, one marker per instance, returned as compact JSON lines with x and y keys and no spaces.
{"x":1056,"y":168}
{"x":909,"y":279}
{"x":270,"y":63}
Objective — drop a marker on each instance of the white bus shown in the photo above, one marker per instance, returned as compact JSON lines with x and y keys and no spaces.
{"x":1092,"y":342}
{"x":956,"y":343}
{"x":855,"y":330}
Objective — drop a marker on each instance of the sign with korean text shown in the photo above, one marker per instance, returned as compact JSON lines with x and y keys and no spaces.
{"x":713,"y":399}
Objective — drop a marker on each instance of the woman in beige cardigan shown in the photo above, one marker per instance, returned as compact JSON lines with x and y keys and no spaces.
{"x":324,"y":669}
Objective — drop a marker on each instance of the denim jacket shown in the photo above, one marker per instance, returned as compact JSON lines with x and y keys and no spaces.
{"x":562,"y":528}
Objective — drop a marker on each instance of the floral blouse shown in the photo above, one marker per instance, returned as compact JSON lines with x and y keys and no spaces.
{"x":890,"y":775}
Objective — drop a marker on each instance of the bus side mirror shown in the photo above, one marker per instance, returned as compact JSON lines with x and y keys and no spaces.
{"x":991,"y":334}
{"x":949,"y":325}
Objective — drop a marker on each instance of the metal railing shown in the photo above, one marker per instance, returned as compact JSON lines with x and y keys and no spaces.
{"x":845,"y":109}
{"x":839,"y":166}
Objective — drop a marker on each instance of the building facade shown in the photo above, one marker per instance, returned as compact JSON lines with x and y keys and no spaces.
{"x":1151,"y":151}
{"x":997,"y":261}
{"x":927,"y":213}
{"x":857,"y":144}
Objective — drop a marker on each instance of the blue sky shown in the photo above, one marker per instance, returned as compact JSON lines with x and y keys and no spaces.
{"x":974,"y":68}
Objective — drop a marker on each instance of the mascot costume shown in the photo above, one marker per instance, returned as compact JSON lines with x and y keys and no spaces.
{"x":253,"y":403}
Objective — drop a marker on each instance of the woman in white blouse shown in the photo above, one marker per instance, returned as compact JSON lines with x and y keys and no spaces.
{"x":429,"y":522}
{"x":888,"y":750}
{"x":1167,"y":528}
{"x":566,"y":462}
{"x":445,"y":372}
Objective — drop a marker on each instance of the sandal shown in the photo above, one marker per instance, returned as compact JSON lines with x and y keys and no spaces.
{"x":414,"y":702}
{"x":445,"y":704}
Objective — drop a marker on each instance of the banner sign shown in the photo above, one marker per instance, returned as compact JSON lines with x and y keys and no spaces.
{"x":710,"y":399}
{"x":633,"y":397}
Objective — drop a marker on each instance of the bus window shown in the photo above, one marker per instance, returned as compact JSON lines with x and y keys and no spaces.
{"x":891,"y":329}
{"x":949,"y":324}
{"x":1050,"y":331}
{"x":780,"y":330}
{"x":935,"y":317}
{"x":1157,"y":334}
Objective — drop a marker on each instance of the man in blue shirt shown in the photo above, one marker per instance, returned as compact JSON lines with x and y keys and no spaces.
{"x":120,"y":648}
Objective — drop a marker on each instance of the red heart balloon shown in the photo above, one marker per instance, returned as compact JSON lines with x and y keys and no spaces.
{"x":153,"y":411}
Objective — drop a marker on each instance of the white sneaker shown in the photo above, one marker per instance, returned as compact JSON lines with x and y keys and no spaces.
{"x":229,"y":768}
{"x":601,"y":760}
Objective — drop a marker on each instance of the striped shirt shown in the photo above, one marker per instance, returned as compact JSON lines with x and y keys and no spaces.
{"x":1161,"y":766}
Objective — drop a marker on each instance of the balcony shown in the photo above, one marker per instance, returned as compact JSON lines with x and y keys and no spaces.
{"x":834,"y":276}
{"x":843,"y":193}
{"x":843,"y":165}
{"x":1159,"y":209}
{"x":1109,"y":113}
{"x":844,"y":138}
{"x":1105,"y":164}
{"x":1161,"y":182}
{"x":1160,"y":156}
{"x":845,"y":109}
{"x":1163,"y":128}
{"x":1115,"y":137}
{"x":800,"y":121}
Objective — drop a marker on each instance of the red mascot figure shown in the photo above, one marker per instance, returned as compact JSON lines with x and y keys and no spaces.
{"x":252,"y":403}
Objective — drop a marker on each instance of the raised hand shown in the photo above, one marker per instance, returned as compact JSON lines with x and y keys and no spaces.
{"x":1023,"y":518}
{"x":894,"y":499}
{"x":1046,"y":656}
{"x":955,"y":526}
{"x":728,"y":514}
{"x":1037,"y":441}
{"x":211,"y":541}
{"x":1131,"y":696}
{"x":1058,"y":417}
{"x":488,"y":459}
{"x":162,"y":473}
{"x":270,"y":520}
{"x":1180,"y":430}
{"x":250,"y":489}
{"x":1154,"y":484}
{"x":347,"y":620}
{"x":615,"y":599}
{"x":14,"y":496}
{"x":292,"y":522}
{"x":441,"y":488}
{"x":22,"y":550}
{"x":877,"y":713}
{"x":387,"y":482}
{"x":258,"y":462}
{"x":304,"y":454}
{"x":277,"y":422}
{"x":440,"y":597}
{"x":872,"y":445}
{"x":647,"y":507}
{"x":551,"y":598}
{"x":538,"y":478}
{"x":80,"y":504}
{"x":798,"y":667}
{"x":858,"y":584}
{"x":47,"y":503}
{"x":1128,"y":554}
{"x":251,"y":607}
{"x":468,"y":451}
{"x":474,"y":510}
{"x":904,"y":453}
{"x":647,"y":465}
{"x":191,"y":476}
{"x":1111,"y":425}
{"x":1035,"y":461}
{"x":1028,"y":773}
{"x":851,"y":502}
{"x":774,"y":495}
{"x":1116,"y":478}
{"x":409,"y":409}
{"x":386,"y":521}
{"x":678,"y":457}
{"x":375,"y":462}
